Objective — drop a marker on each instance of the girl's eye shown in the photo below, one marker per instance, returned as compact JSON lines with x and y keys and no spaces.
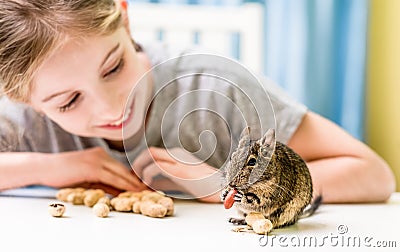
{"x":251,"y":162}
{"x":116,"y":69}
{"x":69,"y":105}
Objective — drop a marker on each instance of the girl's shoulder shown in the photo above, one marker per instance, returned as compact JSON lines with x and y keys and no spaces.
{"x":19,"y":114}
{"x":15,"y":119}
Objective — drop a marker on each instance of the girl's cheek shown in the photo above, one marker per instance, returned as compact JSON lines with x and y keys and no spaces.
{"x":146,"y":64}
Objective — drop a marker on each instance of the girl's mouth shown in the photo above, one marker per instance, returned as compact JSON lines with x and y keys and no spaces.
{"x":123,"y":119}
{"x":128,"y":115}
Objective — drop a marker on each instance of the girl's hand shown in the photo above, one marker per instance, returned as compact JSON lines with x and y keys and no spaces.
{"x":183,"y":169}
{"x":89,"y":168}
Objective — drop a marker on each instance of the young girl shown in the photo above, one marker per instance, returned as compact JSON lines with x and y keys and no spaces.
{"x":67,"y":69}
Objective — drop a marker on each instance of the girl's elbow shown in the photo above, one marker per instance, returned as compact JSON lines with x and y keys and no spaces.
{"x":386,"y":183}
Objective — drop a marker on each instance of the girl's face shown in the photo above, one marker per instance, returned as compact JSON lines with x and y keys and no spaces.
{"x":85,"y":87}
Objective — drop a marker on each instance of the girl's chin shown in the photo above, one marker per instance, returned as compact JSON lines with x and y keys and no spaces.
{"x":122,"y":136}
{"x":112,"y":136}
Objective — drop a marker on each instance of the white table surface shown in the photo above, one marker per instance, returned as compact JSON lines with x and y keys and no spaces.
{"x":25,"y":225}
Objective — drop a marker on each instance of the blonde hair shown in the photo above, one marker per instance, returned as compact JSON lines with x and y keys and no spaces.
{"x":30,"y":31}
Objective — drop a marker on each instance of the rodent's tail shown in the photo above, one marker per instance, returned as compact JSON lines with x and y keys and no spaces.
{"x":311,"y":208}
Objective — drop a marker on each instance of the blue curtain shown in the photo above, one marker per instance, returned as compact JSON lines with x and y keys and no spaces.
{"x":316,"y":50}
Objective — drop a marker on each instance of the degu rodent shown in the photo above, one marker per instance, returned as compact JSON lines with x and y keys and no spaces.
{"x":267,"y":176}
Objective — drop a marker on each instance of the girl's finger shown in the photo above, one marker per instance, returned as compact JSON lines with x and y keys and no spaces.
{"x":156,"y":169}
{"x":166,"y":169}
{"x":175,"y":156}
{"x":165,"y":184}
{"x":150,"y":172}
{"x":121,"y":171}
{"x":110,"y":178}
{"x":164,"y":155}
{"x":143,"y":160}
{"x":107,"y":188}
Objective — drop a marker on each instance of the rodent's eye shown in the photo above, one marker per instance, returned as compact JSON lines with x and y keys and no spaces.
{"x":251,"y":162}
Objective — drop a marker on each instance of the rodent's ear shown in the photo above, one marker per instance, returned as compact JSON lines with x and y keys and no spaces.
{"x":268,"y":139}
{"x":245,"y":132}
{"x":244,"y":137}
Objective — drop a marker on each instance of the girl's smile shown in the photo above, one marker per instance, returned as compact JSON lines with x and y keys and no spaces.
{"x":124,"y":121}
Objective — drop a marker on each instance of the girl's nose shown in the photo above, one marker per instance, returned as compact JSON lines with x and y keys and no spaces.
{"x":108,"y":106}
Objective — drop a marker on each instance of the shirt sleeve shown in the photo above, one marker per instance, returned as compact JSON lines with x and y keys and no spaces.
{"x":288,"y":112}
{"x":265,"y":105}
{"x":10,"y":136}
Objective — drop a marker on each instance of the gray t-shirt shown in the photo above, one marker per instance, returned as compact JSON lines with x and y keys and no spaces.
{"x":201,"y":103}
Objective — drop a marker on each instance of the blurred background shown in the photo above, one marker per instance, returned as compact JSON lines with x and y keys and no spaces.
{"x":339,"y":57}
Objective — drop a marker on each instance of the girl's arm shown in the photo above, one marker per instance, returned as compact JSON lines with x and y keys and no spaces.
{"x":65,"y":169}
{"x":20,"y":169}
{"x":343,"y":169}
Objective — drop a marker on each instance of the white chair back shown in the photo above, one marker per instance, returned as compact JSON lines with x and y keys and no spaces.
{"x":233,"y":31}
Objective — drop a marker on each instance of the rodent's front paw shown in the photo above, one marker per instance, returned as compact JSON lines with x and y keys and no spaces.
{"x":238,"y":196}
{"x":223,"y":194}
{"x":231,"y":197}
{"x":237,"y":221}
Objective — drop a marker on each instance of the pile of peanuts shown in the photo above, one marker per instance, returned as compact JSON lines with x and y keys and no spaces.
{"x":149,"y":203}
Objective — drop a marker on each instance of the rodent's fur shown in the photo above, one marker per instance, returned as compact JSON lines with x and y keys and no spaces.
{"x":270,"y":178}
